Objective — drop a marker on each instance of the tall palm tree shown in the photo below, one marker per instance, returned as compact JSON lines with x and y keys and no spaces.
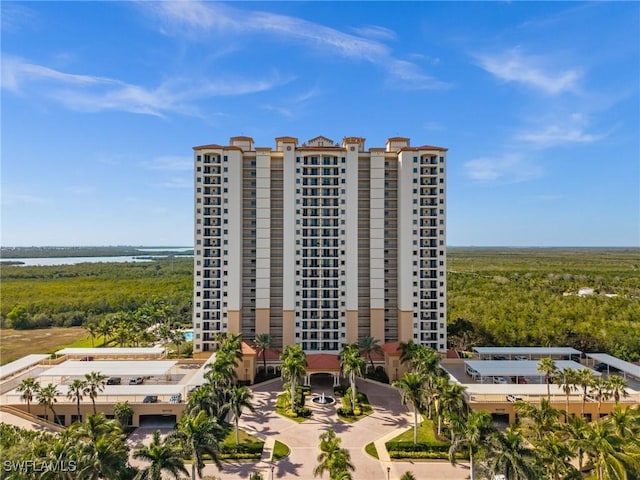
{"x":352,"y":364}
{"x":94,"y":384}
{"x":239,"y":399}
{"x":75,"y":391}
{"x":104,"y":459}
{"x":370,"y":345}
{"x":477,"y":427}
{"x":105,"y":328}
{"x":585,"y":379}
{"x":177,"y":338}
{"x":263,"y":342}
{"x":92,"y":328}
{"x":412,"y":386}
{"x":407,"y":350}
{"x":94,"y":427}
{"x":451,"y":401}
{"x":567,"y":381}
{"x":294,"y":366}
{"x":47,"y":396}
{"x":28,"y":387}
{"x":408,"y":476}
{"x":508,"y":455}
{"x":600,"y":391}
{"x":163,"y":456}
{"x":333,"y":459}
{"x":547,"y":366}
{"x":618,"y":387}
{"x":199,"y":435}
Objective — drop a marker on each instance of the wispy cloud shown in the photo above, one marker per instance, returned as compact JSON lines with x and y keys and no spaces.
{"x":177,"y":182}
{"x":202,"y":18}
{"x":17,"y":198}
{"x":89,"y":93}
{"x":532,"y":71}
{"x":568,"y":130}
{"x":510,"y":168}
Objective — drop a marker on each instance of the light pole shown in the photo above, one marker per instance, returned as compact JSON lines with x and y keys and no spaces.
{"x":272,"y":467}
{"x":388,"y":472}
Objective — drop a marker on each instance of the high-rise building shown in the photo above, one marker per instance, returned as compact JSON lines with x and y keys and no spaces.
{"x":320,"y":243}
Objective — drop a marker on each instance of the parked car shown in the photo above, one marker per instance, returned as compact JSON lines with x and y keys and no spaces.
{"x":176,"y":398}
{"x":514,"y":398}
{"x":521,"y":357}
{"x":499,"y":380}
{"x":472,"y":372}
{"x":114,"y":381}
{"x":150,"y":399}
{"x":499,"y":357}
{"x":603,"y":367}
{"x":136,"y":381}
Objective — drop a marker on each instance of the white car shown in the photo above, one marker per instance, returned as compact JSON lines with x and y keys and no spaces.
{"x":513,"y":398}
{"x":499,"y":380}
{"x":521,"y":357}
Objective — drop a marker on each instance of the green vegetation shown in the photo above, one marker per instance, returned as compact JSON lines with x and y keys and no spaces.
{"x":280,"y":450}
{"x":74,"y":295}
{"x":348,"y":413}
{"x":504,"y":296}
{"x":371,"y":449}
{"x":16,"y":344}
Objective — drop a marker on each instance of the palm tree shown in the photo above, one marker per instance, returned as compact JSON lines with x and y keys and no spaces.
{"x":408,"y":476}
{"x":547,"y":366}
{"x":333,"y":459}
{"x":75,"y":391}
{"x":29,"y":387}
{"x":263,"y":342}
{"x":477,"y":427}
{"x":618,"y":387}
{"x":351,"y":364}
{"x":123,"y":412}
{"x":94,"y":384}
{"x":294,"y":366}
{"x":163,"y":456}
{"x":554,"y":458}
{"x":177,"y":337}
{"x":407,"y":350}
{"x":576,"y":432}
{"x":239,"y":399}
{"x":412,"y":386}
{"x":370,"y":345}
{"x":105,"y":328}
{"x":600,"y":391}
{"x":539,"y":422}
{"x":47,"y":397}
{"x":567,"y":381}
{"x":199,"y":435}
{"x":585,"y":379}
{"x":450,"y":400}
{"x":92,"y":328}
{"x":104,"y":459}
{"x":508,"y":455}
{"x":607,"y":453}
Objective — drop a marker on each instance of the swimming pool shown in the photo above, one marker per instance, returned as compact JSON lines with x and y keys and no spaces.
{"x":188,"y":335}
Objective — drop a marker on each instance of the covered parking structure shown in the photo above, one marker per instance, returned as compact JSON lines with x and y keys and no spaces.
{"x":110,"y":368}
{"x":21,"y":365}
{"x":114,"y":353}
{"x":531,"y":353}
{"x":482,"y":370}
{"x":627,"y":369}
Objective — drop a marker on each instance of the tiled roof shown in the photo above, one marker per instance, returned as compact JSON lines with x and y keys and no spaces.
{"x":323,"y":361}
{"x":391,"y":348}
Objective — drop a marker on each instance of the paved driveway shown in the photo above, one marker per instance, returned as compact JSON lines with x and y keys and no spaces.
{"x":390,"y":417}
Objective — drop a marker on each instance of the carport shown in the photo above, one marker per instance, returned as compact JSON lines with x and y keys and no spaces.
{"x":110,"y":368}
{"x":530,"y":353}
{"x":516,"y":368}
{"x":626,"y":368}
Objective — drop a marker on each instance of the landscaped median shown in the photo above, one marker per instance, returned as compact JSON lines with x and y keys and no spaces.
{"x":428,"y":446}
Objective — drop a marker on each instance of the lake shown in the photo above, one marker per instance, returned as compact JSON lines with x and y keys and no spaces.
{"x":31,"y":262}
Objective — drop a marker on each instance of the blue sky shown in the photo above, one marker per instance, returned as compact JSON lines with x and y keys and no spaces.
{"x":537,"y":102}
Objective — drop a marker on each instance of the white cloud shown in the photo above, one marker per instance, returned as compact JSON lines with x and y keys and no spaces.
{"x":93,"y":94}
{"x":558,"y":134}
{"x":375,"y":31}
{"x":510,"y":168}
{"x":200,"y":18}
{"x":11,"y":199}
{"x":177,"y":182}
{"x":532,"y":71}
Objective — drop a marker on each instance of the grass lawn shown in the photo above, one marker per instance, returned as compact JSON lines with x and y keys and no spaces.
{"x":280,"y":450}
{"x":371,"y":450}
{"x":426,"y":433}
{"x":15,"y":344}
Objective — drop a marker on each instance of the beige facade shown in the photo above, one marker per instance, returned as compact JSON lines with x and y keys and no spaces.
{"x":320,"y":243}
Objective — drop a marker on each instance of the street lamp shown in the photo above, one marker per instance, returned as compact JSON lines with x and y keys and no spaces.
{"x":388,"y":472}
{"x":272,"y":467}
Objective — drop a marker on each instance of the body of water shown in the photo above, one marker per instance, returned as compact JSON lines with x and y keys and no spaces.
{"x":32,"y":262}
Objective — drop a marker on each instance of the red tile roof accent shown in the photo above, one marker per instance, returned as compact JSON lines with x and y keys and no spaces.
{"x":247,"y":349}
{"x":391,"y":348}
{"x":323,"y":361}
{"x":451,"y":353}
